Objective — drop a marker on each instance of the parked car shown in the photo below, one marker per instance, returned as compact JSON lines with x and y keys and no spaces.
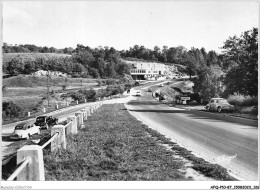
{"x":219,"y":104}
{"x":138,"y":93}
{"x":46,"y":121}
{"x":161,"y":85}
{"x":25,"y":130}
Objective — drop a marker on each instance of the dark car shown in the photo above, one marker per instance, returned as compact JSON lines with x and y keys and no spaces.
{"x":46,"y":121}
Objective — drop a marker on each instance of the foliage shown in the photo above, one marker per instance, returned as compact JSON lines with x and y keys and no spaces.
{"x":90,"y":95}
{"x":208,"y":82}
{"x":15,"y":66}
{"x":241,"y":100}
{"x":242,"y":77}
{"x":11,"y":110}
{"x":76,"y":96}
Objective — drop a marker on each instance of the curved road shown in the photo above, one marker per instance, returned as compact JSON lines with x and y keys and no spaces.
{"x":232,"y":145}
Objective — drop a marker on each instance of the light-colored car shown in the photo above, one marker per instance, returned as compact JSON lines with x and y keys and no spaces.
{"x":25,"y":130}
{"x":219,"y":104}
{"x":138,"y":93}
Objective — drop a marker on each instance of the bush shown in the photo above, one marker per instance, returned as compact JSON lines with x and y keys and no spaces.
{"x":110,"y":82}
{"x":90,"y":95}
{"x":11,"y":110}
{"x":76,"y":96}
{"x":250,"y":101}
{"x":240,"y":100}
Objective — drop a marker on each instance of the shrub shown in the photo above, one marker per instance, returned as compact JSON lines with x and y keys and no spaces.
{"x":240,"y":100}
{"x":90,"y":95}
{"x":11,"y":110}
{"x":76,"y":96}
{"x":110,"y":82}
{"x":250,"y":101}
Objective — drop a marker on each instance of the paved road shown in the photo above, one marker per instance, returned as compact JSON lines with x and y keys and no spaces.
{"x":228,"y":143}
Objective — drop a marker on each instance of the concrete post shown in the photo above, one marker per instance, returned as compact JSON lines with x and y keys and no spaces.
{"x":88,"y":110}
{"x":34,"y":170}
{"x":73,"y":129}
{"x":67,"y":103}
{"x":57,"y":106}
{"x":60,"y":140}
{"x":85,"y":116}
{"x":85,"y":100}
{"x":80,"y":115}
{"x":29,"y":114}
{"x":77,"y":102}
{"x":44,"y":110}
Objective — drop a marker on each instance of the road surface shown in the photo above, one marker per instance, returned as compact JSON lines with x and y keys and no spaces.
{"x":230,"y":144}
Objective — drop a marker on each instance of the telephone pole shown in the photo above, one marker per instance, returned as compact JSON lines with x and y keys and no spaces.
{"x":48,"y":86}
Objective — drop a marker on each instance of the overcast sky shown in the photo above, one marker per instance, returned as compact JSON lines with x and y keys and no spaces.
{"x":122,"y":24}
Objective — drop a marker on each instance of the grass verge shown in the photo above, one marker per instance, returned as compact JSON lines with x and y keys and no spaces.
{"x":116,"y":146}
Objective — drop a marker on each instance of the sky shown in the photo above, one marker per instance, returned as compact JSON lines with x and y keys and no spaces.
{"x":122,"y":24}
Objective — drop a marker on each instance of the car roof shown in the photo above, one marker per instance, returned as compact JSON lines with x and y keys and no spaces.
{"x":42,"y":116}
{"x":25,"y":123}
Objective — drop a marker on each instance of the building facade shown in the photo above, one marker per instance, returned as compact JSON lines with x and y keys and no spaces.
{"x":147,"y":70}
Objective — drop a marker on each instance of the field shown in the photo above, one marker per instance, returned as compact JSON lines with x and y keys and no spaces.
{"x":114,"y":145}
{"x":28,"y":92}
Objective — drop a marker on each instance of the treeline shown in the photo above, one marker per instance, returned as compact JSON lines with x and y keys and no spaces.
{"x":236,"y":68}
{"x":84,"y":62}
{"x":30,"y":48}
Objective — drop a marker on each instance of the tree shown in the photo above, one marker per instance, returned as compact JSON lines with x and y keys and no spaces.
{"x":242,"y":78}
{"x":15,"y":66}
{"x":93,"y":72}
{"x":208,"y":82}
{"x":122,"y":69}
{"x":110,"y":70}
{"x":11,"y":110}
{"x":191,"y":64}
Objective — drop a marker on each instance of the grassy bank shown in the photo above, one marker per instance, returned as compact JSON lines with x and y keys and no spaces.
{"x":116,"y":146}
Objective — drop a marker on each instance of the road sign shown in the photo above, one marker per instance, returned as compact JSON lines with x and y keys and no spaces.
{"x":185,"y":98}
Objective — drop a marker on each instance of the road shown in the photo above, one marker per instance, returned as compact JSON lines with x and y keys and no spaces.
{"x":230,"y":144}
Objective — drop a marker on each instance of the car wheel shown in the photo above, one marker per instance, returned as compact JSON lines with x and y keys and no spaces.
{"x":207,"y":108}
{"x":219,"y":110}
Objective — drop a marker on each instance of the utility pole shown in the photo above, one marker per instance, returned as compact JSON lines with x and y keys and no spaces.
{"x":48,"y":85}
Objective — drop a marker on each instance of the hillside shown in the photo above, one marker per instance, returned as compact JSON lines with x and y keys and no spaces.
{"x":33,"y":81}
{"x":32,"y":56}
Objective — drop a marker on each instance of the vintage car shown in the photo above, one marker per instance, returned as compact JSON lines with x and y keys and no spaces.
{"x":25,"y":130}
{"x":138,"y":93}
{"x":46,"y":121}
{"x":219,"y":105}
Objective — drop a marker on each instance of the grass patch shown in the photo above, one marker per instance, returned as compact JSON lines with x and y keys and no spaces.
{"x":113,"y":146}
{"x":116,"y":146}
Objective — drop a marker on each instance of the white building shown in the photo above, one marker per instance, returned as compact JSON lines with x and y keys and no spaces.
{"x":147,"y":70}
